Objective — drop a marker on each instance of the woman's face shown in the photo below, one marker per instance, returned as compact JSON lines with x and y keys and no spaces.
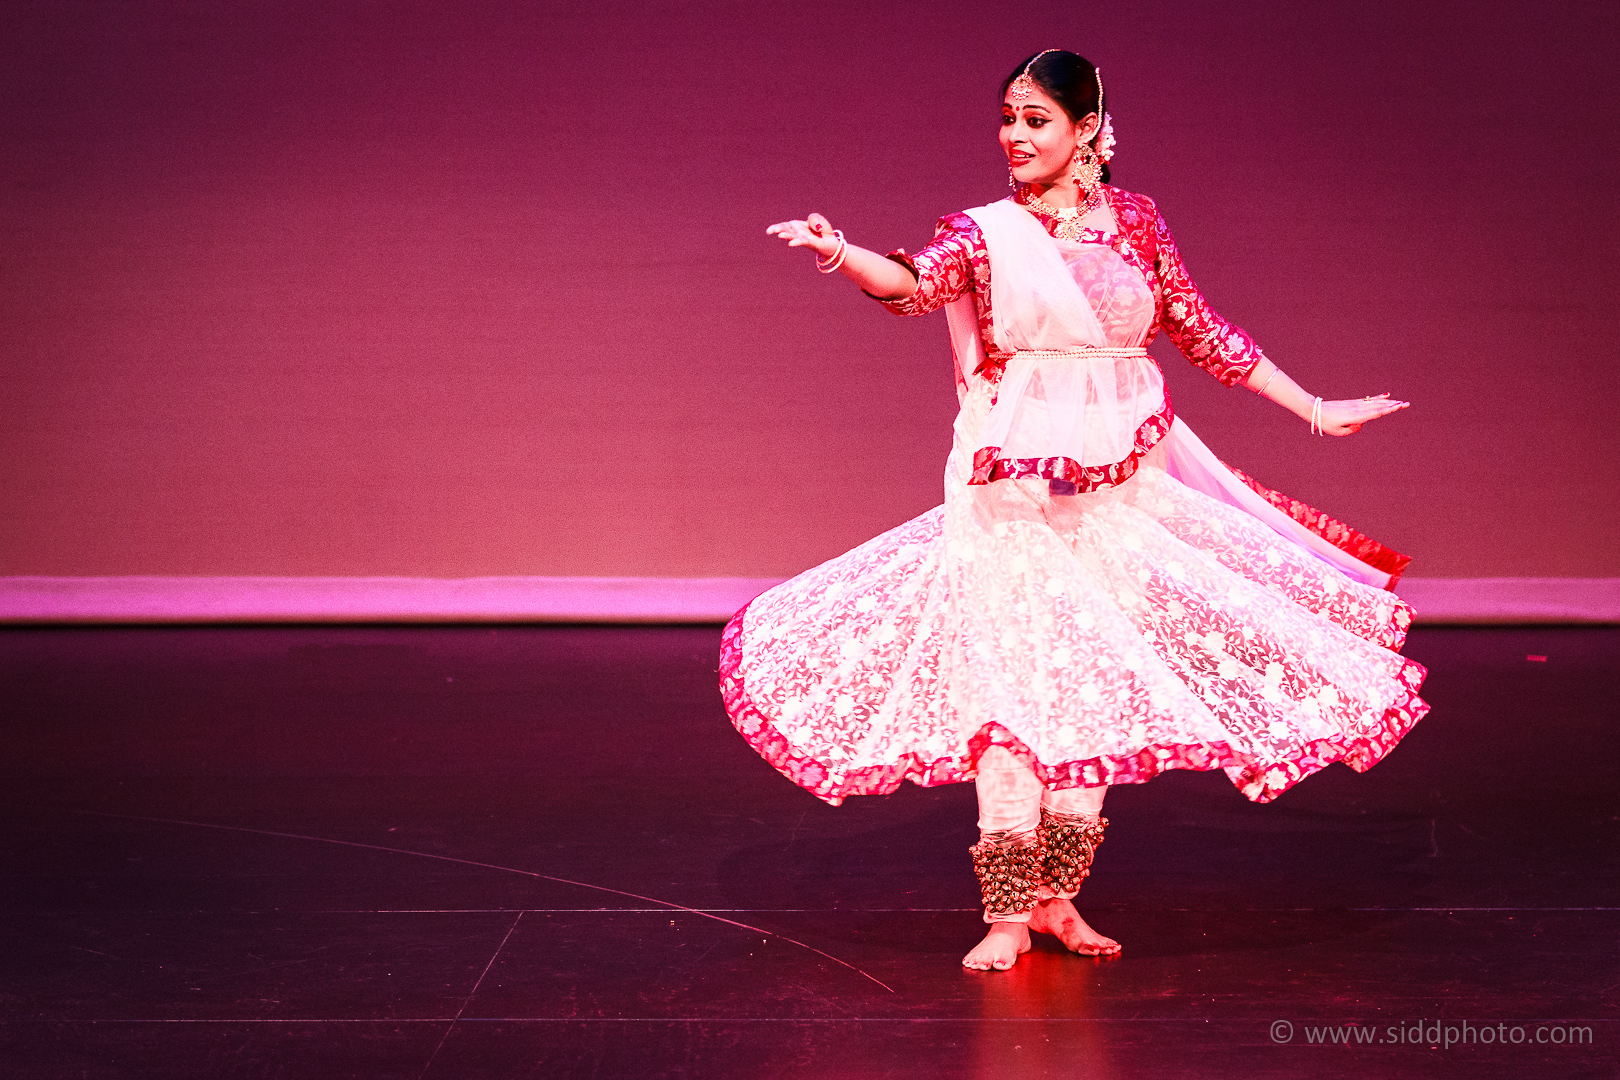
{"x":1039,"y":138}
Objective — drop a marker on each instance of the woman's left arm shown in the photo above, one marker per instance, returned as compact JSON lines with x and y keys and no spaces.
{"x":1330,"y":417}
{"x":1232,"y":356}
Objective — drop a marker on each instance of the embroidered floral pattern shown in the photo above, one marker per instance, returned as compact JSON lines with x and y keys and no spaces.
{"x":1203,"y":337}
{"x":953,"y":264}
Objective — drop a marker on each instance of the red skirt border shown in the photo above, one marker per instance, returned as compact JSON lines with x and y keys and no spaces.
{"x":1260,"y":781}
{"x":989,"y":466}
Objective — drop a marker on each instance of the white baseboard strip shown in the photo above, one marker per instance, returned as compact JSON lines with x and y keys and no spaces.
{"x":373,"y":599}
{"x":1471,"y":601}
{"x":137,"y":600}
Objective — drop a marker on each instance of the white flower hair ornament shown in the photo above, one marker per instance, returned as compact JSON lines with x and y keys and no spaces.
{"x":1105,"y":139}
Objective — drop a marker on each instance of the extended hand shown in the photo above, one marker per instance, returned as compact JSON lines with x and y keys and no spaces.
{"x":1346,"y":417}
{"x":815,"y":232}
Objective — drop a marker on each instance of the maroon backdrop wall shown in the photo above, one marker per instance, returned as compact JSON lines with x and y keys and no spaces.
{"x":460,"y":289}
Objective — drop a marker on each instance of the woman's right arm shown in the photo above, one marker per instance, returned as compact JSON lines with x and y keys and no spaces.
{"x":877,"y":275}
{"x":950,"y":266}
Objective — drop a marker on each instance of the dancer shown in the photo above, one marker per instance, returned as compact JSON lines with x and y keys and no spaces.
{"x":1099,"y":598}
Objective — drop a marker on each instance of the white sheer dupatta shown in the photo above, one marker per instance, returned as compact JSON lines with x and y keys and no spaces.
{"x":1066,"y":395}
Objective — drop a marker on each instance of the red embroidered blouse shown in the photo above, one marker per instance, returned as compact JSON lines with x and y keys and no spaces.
{"x":956,"y":261}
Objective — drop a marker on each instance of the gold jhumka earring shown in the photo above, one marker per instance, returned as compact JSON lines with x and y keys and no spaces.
{"x":1086,"y":169}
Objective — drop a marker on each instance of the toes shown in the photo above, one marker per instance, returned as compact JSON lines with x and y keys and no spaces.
{"x":989,"y":963}
{"x":1099,"y":946}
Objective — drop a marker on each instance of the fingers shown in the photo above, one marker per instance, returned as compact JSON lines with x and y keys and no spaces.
{"x":814,"y":224}
{"x":1361,"y":410}
{"x":796,"y":233}
{"x":811,"y":225}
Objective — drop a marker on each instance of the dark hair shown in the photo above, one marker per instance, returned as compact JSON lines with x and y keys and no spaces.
{"x":1069,"y":80}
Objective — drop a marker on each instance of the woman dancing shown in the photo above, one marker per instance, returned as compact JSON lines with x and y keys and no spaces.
{"x":1099,"y":599}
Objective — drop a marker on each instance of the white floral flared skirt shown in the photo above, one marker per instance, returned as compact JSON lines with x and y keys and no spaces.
{"x":1102,"y":638}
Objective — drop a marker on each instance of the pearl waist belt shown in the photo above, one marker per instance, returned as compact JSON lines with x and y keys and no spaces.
{"x":1078,"y":352}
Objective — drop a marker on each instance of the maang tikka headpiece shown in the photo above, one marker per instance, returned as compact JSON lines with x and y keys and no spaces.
{"x":1023,"y":86}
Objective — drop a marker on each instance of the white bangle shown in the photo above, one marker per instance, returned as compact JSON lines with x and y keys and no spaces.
{"x":837,"y":259}
{"x":1274,"y":370}
{"x":1316,"y":417}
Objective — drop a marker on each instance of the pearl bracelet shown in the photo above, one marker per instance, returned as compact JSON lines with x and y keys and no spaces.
{"x":837,"y":259}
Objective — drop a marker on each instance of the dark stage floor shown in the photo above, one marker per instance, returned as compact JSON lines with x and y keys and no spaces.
{"x":543,"y":852}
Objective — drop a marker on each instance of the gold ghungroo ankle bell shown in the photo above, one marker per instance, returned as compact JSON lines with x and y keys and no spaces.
{"x":1009,"y":872}
{"x":1067,"y":843}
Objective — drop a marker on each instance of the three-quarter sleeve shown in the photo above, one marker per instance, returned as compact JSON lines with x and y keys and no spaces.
{"x":945,"y":268}
{"x":1209,"y":341}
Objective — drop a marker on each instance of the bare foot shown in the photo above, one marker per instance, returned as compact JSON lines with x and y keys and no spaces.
{"x":1000,"y":948}
{"x":1058,"y":918}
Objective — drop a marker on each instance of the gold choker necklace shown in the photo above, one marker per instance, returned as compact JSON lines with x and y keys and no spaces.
{"x":1067,"y":219}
